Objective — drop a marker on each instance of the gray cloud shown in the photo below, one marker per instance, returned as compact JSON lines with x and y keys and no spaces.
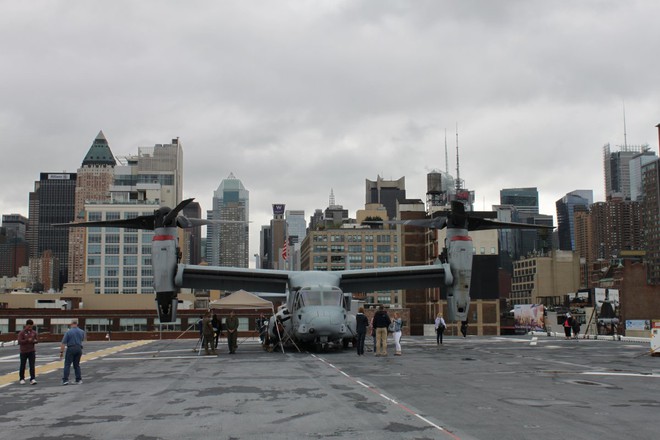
{"x":297,"y":98}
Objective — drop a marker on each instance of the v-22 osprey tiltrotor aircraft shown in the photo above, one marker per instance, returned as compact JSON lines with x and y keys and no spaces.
{"x":315,"y":311}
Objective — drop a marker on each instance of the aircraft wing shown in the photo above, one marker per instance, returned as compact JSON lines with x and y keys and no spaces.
{"x":389,"y":278}
{"x":231,"y":278}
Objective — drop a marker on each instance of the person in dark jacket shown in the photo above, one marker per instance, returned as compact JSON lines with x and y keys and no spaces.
{"x":381,"y":322}
{"x":361,"y":326}
{"x":208,"y":334}
{"x":232,"y":332}
{"x":576,"y":328}
{"x":217,"y":329}
{"x":27,"y":339}
{"x":568,"y":325}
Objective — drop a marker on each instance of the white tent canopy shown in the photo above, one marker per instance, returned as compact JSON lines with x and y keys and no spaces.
{"x":241,"y":300}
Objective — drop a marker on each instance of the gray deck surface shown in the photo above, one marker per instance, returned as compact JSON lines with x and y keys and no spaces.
{"x":476,"y":388}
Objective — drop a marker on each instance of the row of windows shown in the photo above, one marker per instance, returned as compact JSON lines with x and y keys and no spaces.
{"x":116,"y":238}
{"x":113,"y":260}
{"x":127,"y":282}
{"x":95,"y":216}
{"x":340,"y":248}
{"x":113,"y":249}
{"x":355,"y":259}
{"x":356,"y":238}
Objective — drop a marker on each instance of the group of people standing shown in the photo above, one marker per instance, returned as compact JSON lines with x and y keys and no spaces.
{"x":571,"y":325}
{"x":210,"y":328}
{"x":71,"y":349}
{"x":381,"y":324}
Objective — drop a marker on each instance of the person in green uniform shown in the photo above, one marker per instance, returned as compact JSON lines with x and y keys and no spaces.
{"x":232,"y":331}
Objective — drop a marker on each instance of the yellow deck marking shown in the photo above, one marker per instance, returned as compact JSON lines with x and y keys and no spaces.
{"x":58,"y":365}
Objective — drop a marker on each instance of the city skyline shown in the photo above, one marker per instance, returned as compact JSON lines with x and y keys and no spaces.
{"x":299,"y":100}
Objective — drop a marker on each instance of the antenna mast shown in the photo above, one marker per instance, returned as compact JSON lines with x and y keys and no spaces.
{"x":458,"y":175}
{"x":625,"y":135}
{"x":446,"y":155}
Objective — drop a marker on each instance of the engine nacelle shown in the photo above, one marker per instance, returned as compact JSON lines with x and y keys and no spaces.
{"x":164,"y":258}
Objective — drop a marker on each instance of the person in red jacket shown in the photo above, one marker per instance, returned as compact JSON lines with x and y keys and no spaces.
{"x":27,"y":339}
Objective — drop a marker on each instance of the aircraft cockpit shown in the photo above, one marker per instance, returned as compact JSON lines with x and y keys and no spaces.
{"x":328,"y":296}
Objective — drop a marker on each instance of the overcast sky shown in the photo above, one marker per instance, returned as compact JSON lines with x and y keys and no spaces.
{"x":296,"y":98}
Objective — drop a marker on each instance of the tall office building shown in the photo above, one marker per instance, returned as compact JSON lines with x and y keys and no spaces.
{"x":13,"y":247}
{"x":616,"y":225}
{"x":265,"y":248}
{"x":519,"y":205}
{"x":616,"y":165}
{"x":191,"y":247}
{"x":636,"y":163}
{"x":95,"y":176}
{"x":565,"y":216}
{"x":154,"y":174}
{"x":526,"y":200}
{"x":15,"y":224}
{"x":227,"y":244}
{"x":278,"y":235}
{"x":296,"y":225}
{"x":118,"y":260}
{"x":386,"y":192}
{"x":650,"y":211}
{"x":52,"y":201}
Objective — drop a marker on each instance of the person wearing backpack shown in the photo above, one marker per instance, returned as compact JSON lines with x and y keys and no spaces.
{"x":381,"y":322}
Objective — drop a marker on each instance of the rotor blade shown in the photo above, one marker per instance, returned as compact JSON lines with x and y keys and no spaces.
{"x":202,"y":222}
{"x":169,"y":218}
{"x":432,"y":223}
{"x":139,"y":222}
{"x":481,"y":224}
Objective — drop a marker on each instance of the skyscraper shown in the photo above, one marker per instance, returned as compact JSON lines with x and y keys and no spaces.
{"x":192,"y":242}
{"x":650,"y":211}
{"x":227,"y":244}
{"x":95,"y":176}
{"x":526,"y":200}
{"x":617,"y":169}
{"x":13,"y":247}
{"x":386,"y":192}
{"x":519,"y":205}
{"x":565,"y":216}
{"x":52,"y":201}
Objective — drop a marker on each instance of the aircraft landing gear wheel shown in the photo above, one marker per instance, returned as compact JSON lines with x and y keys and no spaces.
{"x":344,"y":343}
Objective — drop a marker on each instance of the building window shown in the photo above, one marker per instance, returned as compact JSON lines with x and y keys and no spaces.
{"x":133,"y":324}
{"x":98,"y":324}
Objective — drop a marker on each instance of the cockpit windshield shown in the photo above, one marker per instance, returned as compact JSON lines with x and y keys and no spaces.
{"x":321,"y":297}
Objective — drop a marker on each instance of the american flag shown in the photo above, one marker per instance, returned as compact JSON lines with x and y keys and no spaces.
{"x":285,"y":249}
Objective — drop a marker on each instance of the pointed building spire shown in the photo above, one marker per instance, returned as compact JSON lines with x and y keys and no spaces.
{"x":99,"y":153}
{"x":332,"y":198}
